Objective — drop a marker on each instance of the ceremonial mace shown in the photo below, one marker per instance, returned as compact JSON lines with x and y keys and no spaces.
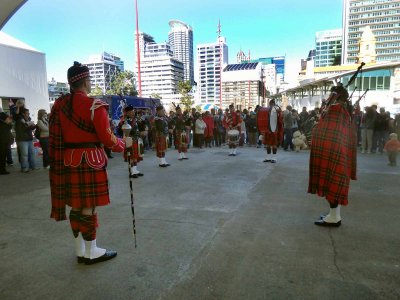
{"x":126,"y":129}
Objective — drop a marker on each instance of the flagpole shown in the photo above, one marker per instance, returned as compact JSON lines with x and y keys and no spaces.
{"x":138,"y":49}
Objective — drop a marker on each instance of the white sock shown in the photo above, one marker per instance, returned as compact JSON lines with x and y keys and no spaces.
{"x":92,"y":251}
{"x":234,"y":151}
{"x":273,"y":157}
{"x":79,"y":246}
{"x":183,"y":155}
{"x":333,"y":216}
{"x":269,"y":156}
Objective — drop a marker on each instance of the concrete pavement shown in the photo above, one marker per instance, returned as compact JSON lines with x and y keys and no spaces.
{"x":212,"y":227}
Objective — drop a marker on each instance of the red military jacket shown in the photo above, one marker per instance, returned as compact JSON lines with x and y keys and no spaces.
{"x":232,"y":120}
{"x":264,"y":122}
{"x":77,"y":121}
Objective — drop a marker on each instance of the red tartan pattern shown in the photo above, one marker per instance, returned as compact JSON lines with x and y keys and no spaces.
{"x":270,"y":138}
{"x":182,"y":147}
{"x":75,"y":220}
{"x":161,"y":145}
{"x":134,"y":152}
{"x":333,"y":156}
{"x":86,"y":186}
{"x":88,"y":227}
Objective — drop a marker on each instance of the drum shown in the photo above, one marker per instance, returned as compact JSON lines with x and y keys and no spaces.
{"x":233,"y":136}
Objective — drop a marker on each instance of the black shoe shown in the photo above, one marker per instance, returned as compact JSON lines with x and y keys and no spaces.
{"x":106,"y":256}
{"x":140,"y":174}
{"x":167,"y":165}
{"x":4,"y":173}
{"x":273,"y":161}
{"x":185,"y":158}
{"x":162,"y":166}
{"x":326,"y":224}
{"x":133,"y":176}
{"x":110,"y":156}
{"x":80,"y":259}
{"x":266,"y":160}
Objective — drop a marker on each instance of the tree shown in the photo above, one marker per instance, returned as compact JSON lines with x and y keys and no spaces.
{"x":156,"y":96}
{"x":184,"y":89}
{"x":123,"y":84}
{"x":97,"y":91}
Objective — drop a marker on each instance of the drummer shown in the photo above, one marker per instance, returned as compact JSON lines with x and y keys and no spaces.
{"x":232,"y":122}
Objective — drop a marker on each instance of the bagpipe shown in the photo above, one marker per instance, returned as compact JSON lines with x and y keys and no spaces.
{"x":339,"y":94}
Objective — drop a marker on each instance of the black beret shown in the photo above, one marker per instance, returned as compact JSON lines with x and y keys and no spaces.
{"x":77,"y":72}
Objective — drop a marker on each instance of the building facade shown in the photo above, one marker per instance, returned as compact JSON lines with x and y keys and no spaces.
{"x":383,"y":18}
{"x":102,"y":69}
{"x":328,"y":46}
{"x":242,"y":85}
{"x":211,"y":59}
{"x":180,"y":37}
{"x":56,"y":89}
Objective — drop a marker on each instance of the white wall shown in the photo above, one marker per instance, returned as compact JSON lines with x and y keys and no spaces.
{"x":23,"y":75}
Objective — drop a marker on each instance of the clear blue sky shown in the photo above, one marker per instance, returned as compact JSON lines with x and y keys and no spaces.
{"x":72,"y":30}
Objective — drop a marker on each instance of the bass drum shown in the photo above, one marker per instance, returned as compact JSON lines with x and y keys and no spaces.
{"x":233,"y":136}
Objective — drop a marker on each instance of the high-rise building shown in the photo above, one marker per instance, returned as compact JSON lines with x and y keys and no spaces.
{"x":383,"y":18}
{"x":243,"y":85}
{"x":180,"y":38}
{"x":118,"y":62}
{"x":328,"y":45}
{"x":102,"y":69}
{"x":160,"y":71}
{"x":56,"y":89}
{"x":211,"y":59}
{"x":278,"y":61}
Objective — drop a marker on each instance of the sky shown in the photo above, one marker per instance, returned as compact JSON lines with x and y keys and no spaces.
{"x":68,"y":30}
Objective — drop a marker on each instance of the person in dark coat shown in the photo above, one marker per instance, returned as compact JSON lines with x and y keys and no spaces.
{"x":6,"y":138}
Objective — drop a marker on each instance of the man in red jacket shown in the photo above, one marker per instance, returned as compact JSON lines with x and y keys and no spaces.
{"x":79,"y":127}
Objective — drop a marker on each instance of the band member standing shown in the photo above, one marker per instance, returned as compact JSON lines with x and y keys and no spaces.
{"x":136,"y":151}
{"x":232,"y":121}
{"x":79,"y":128}
{"x":270,"y":125}
{"x":333,"y":155}
{"x":182,"y":129}
{"x":161,"y":135}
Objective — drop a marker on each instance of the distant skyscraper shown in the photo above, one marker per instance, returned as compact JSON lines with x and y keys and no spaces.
{"x":328,"y":45}
{"x":209,"y":68}
{"x":102,"y":69}
{"x":382,"y":16}
{"x":180,"y":38}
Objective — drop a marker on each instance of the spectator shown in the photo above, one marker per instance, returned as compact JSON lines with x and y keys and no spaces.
{"x":43,"y":126}
{"x":381,"y":129}
{"x":397,"y":124}
{"x":287,"y":128}
{"x":367,"y":130}
{"x":219,"y":130}
{"x":6,"y":138}
{"x":199,"y":130}
{"x":303,"y":118}
{"x":392,"y":147}
{"x":251,"y":126}
{"x":24,"y":137}
{"x":209,"y":131}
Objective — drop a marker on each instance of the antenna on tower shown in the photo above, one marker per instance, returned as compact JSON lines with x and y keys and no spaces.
{"x":219,"y":28}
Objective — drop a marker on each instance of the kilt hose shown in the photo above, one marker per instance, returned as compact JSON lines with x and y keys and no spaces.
{"x":85,"y":187}
{"x":333,"y":156}
{"x":85,"y":224}
{"x":161,"y":145}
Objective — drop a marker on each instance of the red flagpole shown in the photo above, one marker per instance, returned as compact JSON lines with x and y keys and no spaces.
{"x":138,"y":50}
{"x":220,"y":64}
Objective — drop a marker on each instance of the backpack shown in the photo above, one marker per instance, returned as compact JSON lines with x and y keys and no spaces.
{"x":37,"y":132}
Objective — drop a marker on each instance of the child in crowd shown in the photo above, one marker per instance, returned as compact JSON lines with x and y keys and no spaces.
{"x":392,"y":147}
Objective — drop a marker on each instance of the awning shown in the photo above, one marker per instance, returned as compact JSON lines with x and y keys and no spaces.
{"x":209,"y":106}
{"x":8,"y":8}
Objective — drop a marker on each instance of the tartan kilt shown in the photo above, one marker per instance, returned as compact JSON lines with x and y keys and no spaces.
{"x":85,"y":186}
{"x":134,"y":152}
{"x":161,"y":144}
{"x":270,"y":138}
{"x":181,"y":145}
{"x":333,"y":156}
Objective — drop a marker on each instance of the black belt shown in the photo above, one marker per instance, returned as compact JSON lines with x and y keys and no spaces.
{"x":82,"y":145}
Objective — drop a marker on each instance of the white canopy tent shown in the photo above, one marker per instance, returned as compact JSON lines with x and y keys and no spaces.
{"x":22,"y":75}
